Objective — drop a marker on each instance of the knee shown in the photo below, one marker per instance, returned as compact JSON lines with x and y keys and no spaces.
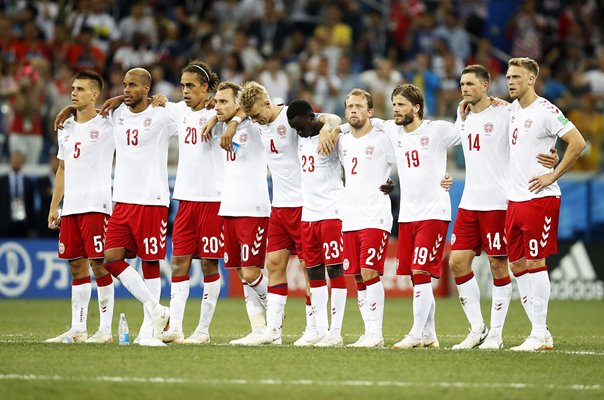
{"x":98,"y":269}
{"x":249,"y":274}
{"x":499,"y":268}
{"x":368,"y":274}
{"x":209,"y":267}
{"x":518,"y":268}
{"x":458,"y":266}
{"x":335,"y":270}
{"x":180,"y":266}
{"x":316,"y":273}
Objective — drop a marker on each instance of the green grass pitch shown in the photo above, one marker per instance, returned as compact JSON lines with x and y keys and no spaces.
{"x":30,"y":369}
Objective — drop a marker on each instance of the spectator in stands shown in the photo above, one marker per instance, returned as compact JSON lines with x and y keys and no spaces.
{"x":456,"y":36}
{"x":523,"y":29}
{"x":325,"y":86}
{"x":137,"y":21}
{"x":94,"y":16}
{"x":231,"y":69}
{"x":44,"y":186}
{"x":31,"y":46}
{"x":25,"y":135}
{"x":339,"y":33}
{"x":84,"y":54}
{"x":349,"y":79}
{"x":270,"y":31}
{"x":250,"y":57}
{"x":380,"y":82}
{"x":590,"y":122}
{"x":159,"y":82}
{"x":275,"y":80}
{"x":135,"y":54}
{"x":424,"y":78}
{"x":17,"y":217}
{"x":594,"y":77}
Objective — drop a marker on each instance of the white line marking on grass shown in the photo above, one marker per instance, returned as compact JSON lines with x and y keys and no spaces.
{"x":298,"y":382}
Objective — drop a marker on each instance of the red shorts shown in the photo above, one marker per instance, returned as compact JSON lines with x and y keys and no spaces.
{"x":365,"y":249}
{"x":82,"y":235}
{"x":142,"y":230}
{"x":198,"y":230}
{"x":531,"y":228}
{"x":477,"y":230}
{"x":284,"y":232}
{"x":420,"y":246}
{"x":322,"y":242}
{"x":245,"y":241}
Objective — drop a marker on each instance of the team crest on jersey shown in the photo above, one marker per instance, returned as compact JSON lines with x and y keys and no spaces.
{"x":282,"y":131}
{"x":202,"y":121}
{"x":94,"y":135}
{"x":147,"y":122}
{"x":346,"y":264}
{"x":424,"y":141}
{"x":369,"y":150}
{"x":488,"y":127}
{"x":528,"y":123}
{"x":61,"y":248}
{"x":243,"y":137}
{"x":453,"y":237}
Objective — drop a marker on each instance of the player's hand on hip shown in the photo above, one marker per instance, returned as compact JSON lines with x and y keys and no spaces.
{"x":446,"y":182}
{"x":549,"y":160}
{"x":53,"y":220}
{"x":387,"y":187}
{"x":537,"y":183}
{"x":158,"y":100}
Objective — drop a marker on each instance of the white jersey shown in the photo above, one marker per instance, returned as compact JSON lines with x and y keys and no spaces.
{"x":245,"y":191}
{"x":322,"y":184}
{"x":200,"y":169}
{"x":280,"y":142}
{"x":421,"y":158}
{"x":533,"y":130}
{"x":141,"y":162}
{"x":87,"y":152}
{"x":367,"y":162}
{"x":484,"y":138}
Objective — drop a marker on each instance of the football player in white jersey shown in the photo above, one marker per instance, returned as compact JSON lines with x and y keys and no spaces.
{"x":480,"y":221}
{"x":367,"y":157}
{"x":425,"y":208}
{"x":280,"y":143}
{"x":534,"y":195}
{"x":197,"y":229}
{"x":83,"y":182}
{"x":322,"y":240}
{"x":138,"y":225}
{"x":245,"y":207}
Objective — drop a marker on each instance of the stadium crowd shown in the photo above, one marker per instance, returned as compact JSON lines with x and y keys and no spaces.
{"x":297,"y":49}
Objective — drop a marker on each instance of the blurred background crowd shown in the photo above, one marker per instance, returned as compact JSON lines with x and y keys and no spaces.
{"x":317,"y":50}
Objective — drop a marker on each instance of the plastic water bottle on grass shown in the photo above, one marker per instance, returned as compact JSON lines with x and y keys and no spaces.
{"x":122,"y":330}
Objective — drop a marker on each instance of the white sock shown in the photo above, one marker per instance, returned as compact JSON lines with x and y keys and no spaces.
{"x":525,"y":289}
{"x":133,"y":282}
{"x":311,"y":325}
{"x":275,"y":308}
{"x":154,"y":285}
{"x":501,"y":303}
{"x":469,"y":296}
{"x":260,"y":286}
{"x":540,"y":300}
{"x":106,"y":295}
{"x":179,"y":293}
{"x":422,"y":304}
{"x":80,"y":297}
{"x":254,"y":308}
{"x":430,"y":328}
{"x":375,"y":307}
{"x":211,"y":291}
{"x":362,"y":302}
{"x":319,"y":297}
{"x":338,"y":307}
